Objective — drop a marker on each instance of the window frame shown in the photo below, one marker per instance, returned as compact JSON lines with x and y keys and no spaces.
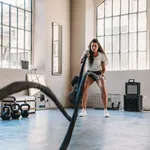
{"x":26,"y":29}
{"x":120,"y":34}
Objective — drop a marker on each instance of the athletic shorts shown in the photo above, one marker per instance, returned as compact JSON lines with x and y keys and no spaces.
{"x":96,"y":72}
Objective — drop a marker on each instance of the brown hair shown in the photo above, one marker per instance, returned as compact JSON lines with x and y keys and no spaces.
{"x":100,"y":49}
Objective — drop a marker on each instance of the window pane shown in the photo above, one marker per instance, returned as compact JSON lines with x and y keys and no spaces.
{"x":116,"y":7}
{"x":13,"y":17}
{"x":100,"y":27}
{"x":124,"y":24}
{"x":108,"y":26}
{"x":133,"y":6}
{"x":5,"y":36}
{"x":116,"y":61}
{"x":100,"y":10}
{"x":28,"y":4}
{"x":20,"y":3}
{"x":5,"y":57}
{"x":13,"y":37}
{"x":5,"y":14}
{"x":55,"y":66}
{"x":142,"y":41}
{"x":132,"y":23}
{"x":142,"y":22}
{"x":124,"y":61}
{"x":55,"y":32}
{"x":109,"y":65}
{"x":0,"y":35}
{"x":116,"y":43}
{"x":142,"y":5}
{"x":28,"y":56}
{"x":124,"y":6}
{"x":108,"y":8}
{"x":132,"y":60}
{"x":0,"y":13}
{"x":115,"y":25}
{"x":124,"y":42}
{"x":28,"y":21}
{"x":101,"y":40}
{"x":56,"y":49}
{"x":21,"y":19}
{"x":0,"y":55}
{"x":141,"y":60}
{"x":13,"y":54}
{"x":108,"y":44}
{"x":20,"y":57}
{"x":21,"y":39}
{"x":133,"y":42}
{"x":28,"y":40}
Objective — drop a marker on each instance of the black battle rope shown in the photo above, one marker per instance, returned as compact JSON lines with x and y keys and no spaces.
{"x":23,"y":85}
{"x":81,"y":82}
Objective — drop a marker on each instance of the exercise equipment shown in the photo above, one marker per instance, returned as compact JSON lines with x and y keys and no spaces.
{"x":6,"y":115}
{"x":93,"y":75}
{"x":74,"y":83}
{"x":23,"y":85}
{"x":75,"y":80}
{"x":25,"y":109}
{"x":132,"y":87}
{"x":117,"y":107}
{"x":15,"y":111}
{"x":42,"y":97}
{"x":133,"y":103}
{"x":132,"y":99}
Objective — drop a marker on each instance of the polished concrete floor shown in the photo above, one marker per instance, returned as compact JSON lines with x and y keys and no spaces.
{"x":45,"y":130}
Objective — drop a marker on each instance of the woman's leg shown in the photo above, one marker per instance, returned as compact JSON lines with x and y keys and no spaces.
{"x":89,"y":81}
{"x":87,"y":84}
{"x":101,"y":84}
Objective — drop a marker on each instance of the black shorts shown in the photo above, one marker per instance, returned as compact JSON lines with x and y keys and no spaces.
{"x":96,"y":72}
{"x":95,"y":75}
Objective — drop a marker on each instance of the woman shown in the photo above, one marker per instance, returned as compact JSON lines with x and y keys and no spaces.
{"x":96,"y":63}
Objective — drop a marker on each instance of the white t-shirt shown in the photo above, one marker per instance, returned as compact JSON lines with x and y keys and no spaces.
{"x":96,"y":66}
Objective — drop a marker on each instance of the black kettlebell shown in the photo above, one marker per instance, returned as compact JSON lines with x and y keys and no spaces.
{"x":6,"y":113}
{"x":15,"y":111}
{"x":25,"y":111}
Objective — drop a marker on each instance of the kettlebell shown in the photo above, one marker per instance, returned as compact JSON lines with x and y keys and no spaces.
{"x":15,"y":112}
{"x":25,"y":111}
{"x":6,"y":113}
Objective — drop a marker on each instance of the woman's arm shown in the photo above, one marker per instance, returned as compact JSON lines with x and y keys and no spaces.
{"x":103,"y":63}
{"x":103,"y":67}
{"x":84,"y":53}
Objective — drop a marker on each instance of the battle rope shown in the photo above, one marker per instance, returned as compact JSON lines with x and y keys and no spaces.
{"x":23,"y":85}
{"x":68,"y":136}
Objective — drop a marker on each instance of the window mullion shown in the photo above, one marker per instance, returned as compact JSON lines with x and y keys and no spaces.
{"x":120,"y":37}
{"x":112,"y":36}
{"x":128,"y":33}
{"x":137,"y":38}
{"x":1,"y":34}
{"x":9,"y":36}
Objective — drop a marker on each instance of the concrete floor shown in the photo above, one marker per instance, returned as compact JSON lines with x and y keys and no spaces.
{"x":45,"y":130}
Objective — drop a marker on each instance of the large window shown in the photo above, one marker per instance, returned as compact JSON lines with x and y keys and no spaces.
{"x":15,"y":32}
{"x":122,"y":32}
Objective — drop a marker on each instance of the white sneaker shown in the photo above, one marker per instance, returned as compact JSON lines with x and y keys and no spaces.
{"x":106,"y":113}
{"x":83,"y":113}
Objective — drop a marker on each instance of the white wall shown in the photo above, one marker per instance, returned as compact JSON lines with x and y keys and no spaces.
{"x":77,"y":34}
{"x":39,"y":34}
{"x":8,"y":76}
{"x":46,"y":12}
{"x":115,"y":82}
